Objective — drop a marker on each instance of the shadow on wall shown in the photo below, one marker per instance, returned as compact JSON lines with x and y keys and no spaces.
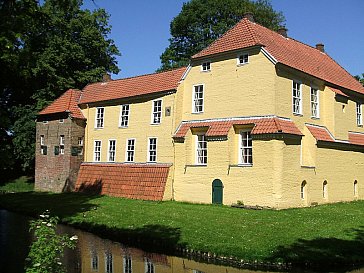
{"x":91,"y":188}
{"x":325,"y":253}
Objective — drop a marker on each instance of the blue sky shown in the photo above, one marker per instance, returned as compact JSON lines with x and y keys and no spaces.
{"x":140,"y":29}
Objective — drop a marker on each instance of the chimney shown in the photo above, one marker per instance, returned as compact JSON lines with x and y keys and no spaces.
{"x":106,"y":77}
{"x":320,"y":47}
{"x":283,"y":31}
{"x":249,"y":16}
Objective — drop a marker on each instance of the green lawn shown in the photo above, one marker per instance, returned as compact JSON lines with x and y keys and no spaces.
{"x":21,"y":184}
{"x":329,"y":234}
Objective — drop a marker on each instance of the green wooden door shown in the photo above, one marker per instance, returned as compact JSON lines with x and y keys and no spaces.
{"x":217,"y":191}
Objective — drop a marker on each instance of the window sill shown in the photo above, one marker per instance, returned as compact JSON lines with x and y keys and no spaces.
{"x":242,"y":64}
{"x":315,"y":118}
{"x":123,"y":127}
{"x":205,"y":71}
{"x":240,"y":165}
{"x":360,"y":125}
{"x":298,"y":115}
{"x":195,"y":165}
{"x":155,"y":124}
{"x":98,"y":128}
{"x":196,"y":113}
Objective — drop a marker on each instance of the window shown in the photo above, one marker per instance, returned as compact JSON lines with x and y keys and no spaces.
{"x":201,"y":150}
{"x":130,"y":150}
{"x":243,"y":59}
{"x":315,"y":106}
{"x":324,"y":189}
{"x":111,"y":150}
{"x":197,"y":99}
{"x":108,"y":262}
{"x":94,"y":261}
{"x":152,"y":149}
{"x":97,"y":150}
{"x":124,"y":115}
{"x":45,"y":121}
{"x":43,"y":147}
{"x":127,"y":264}
{"x":297,"y":98}
{"x":80,"y":145}
{"x":206,"y":66}
{"x":303,"y":190}
{"x":149,"y":266}
{"x":61,"y":144}
{"x":61,"y":120}
{"x":245,"y":148}
{"x":356,"y":188}
{"x":359,"y":114}
{"x":99,"y":117}
{"x":157,"y":112}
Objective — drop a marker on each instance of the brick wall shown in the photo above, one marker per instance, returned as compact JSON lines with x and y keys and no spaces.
{"x":57,"y":172}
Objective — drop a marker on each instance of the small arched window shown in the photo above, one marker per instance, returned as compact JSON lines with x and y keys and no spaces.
{"x":303,"y":189}
{"x":356,"y":188}
{"x":324,"y":189}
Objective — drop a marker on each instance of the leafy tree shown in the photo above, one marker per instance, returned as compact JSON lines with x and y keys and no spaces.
{"x":360,"y":78}
{"x":47,"y":48}
{"x":202,"y":21}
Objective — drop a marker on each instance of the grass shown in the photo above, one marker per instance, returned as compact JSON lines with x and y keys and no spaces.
{"x":323,"y":235}
{"x":21,"y":184}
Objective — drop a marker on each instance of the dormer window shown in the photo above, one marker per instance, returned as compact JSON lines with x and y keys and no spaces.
{"x":243,"y":59}
{"x":206,"y":66}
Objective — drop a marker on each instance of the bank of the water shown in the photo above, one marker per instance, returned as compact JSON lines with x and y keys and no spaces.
{"x":324,"y":235}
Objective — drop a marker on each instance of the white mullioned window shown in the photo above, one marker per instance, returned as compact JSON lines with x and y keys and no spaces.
{"x":149,"y":266}
{"x":94,"y":261}
{"x":198,"y":96}
{"x":201,"y":149}
{"x":42,"y":140}
{"x":61,"y":144}
{"x":296,"y":98}
{"x":109,"y":263}
{"x":97,"y":150}
{"x":127,"y":264}
{"x":315,"y":103}
{"x":206,"y":66}
{"x":157,"y":112}
{"x":130,"y":150}
{"x":245,"y":148}
{"x":99,"y":119}
{"x":243,"y":59}
{"x":152,"y":149}
{"x":124,"y":115}
{"x":43,"y":147}
{"x":111,"y":150}
{"x":359,"y":114}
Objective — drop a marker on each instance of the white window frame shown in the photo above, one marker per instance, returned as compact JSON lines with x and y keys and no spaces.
{"x":303,"y":190}
{"x":240,"y":60}
{"x":80,"y":141}
{"x":206,"y":66}
{"x":97,"y":152}
{"x":195,"y":101}
{"x":152,"y":149}
{"x":156,"y":117}
{"x":109,"y":262}
{"x":111,"y":153}
{"x":359,"y":114}
{"x":325,"y":190}
{"x":245,"y":147}
{"x":127,"y":264}
{"x":61,"y":144}
{"x":356,"y":193}
{"x":296,"y":97}
{"x":315,"y":102}
{"x":127,"y":150}
{"x":100,"y":117}
{"x":94,"y":261}
{"x":42,"y":140}
{"x":149,"y":266}
{"x":124,"y":115}
{"x":201,"y":152}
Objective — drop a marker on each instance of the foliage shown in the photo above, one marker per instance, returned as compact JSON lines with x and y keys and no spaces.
{"x":21,"y":184}
{"x":360,"y":78}
{"x":47,"y":47}
{"x":202,"y":21}
{"x":47,"y":249}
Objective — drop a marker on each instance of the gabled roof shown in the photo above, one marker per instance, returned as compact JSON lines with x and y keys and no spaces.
{"x":284,"y":50}
{"x":68,"y":102}
{"x":221,"y":127}
{"x":131,"y":87}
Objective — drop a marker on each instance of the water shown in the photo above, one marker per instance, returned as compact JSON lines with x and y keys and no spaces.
{"x":94,"y":254}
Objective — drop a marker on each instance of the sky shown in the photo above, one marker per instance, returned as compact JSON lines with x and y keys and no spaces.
{"x":140,"y":29}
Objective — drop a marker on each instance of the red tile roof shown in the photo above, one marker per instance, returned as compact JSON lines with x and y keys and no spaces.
{"x":338,"y":91}
{"x":284,"y":50}
{"x":135,"y":181}
{"x":68,"y":102}
{"x":130,"y":87}
{"x":221,"y":127}
{"x":320,"y":133}
{"x":356,"y":138}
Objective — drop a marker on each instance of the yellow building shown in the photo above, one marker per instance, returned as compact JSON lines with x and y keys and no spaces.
{"x":256,"y":118}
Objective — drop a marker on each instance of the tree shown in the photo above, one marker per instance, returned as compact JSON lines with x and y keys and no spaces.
{"x":47,"y":48}
{"x":360,"y":78}
{"x":202,"y":21}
